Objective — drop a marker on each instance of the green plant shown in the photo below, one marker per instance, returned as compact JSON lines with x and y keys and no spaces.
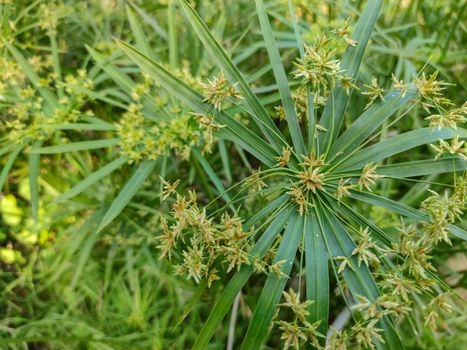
{"x":174,"y":151}
{"x":340,"y":164}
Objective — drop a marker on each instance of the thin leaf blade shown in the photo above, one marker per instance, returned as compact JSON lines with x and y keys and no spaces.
{"x":233,"y":131}
{"x":335,"y":108}
{"x":259,"y":114}
{"x":76,"y":146}
{"x":239,"y":279}
{"x":317,"y":275}
{"x":281,"y":78}
{"x":92,"y":179}
{"x":127,"y":192}
{"x":368,"y":122}
{"x":272,"y":290}
{"x":398,"y":144}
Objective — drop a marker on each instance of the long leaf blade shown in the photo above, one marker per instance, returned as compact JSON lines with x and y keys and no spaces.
{"x":46,"y":94}
{"x":9,"y":164}
{"x":127,"y":192}
{"x":212,"y":175}
{"x":398,"y":144}
{"x":233,"y":131}
{"x":116,"y":74}
{"x":76,"y":146}
{"x":334,"y":110}
{"x":239,"y":279}
{"x":92,"y":179}
{"x":281,"y":79}
{"x":368,"y":122}
{"x":263,"y":120}
{"x":272,"y":290}
{"x":401,"y":209}
{"x":422,"y":167}
{"x":317,"y":275}
{"x":34,"y":165}
{"x":142,"y":42}
{"x":359,"y":279}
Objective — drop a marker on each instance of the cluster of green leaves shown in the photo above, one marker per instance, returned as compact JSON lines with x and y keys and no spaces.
{"x":124,"y":117}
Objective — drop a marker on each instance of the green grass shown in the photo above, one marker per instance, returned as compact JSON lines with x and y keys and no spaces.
{"x":145,"y":215}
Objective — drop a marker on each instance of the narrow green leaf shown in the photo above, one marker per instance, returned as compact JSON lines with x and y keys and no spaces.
{"x":233,"y":131}
{"x":333,"y":115}
{"x":359,"y":279}
{"x":7,"y":148}
{"x":265,"y":211}
{"x":172,"y":31}
{"x":259,"y":114}
{"x":92,"y":179}
{"x":84,"y":253}
{"x":348,"y":212}
{"x":417,"y":191}
{"x":79,"y":126}
{"x":95,"y":120}
{"x":102,"y":96}
{"x":298,"y":37}
{"x":76,"y":146}
{"x":193,"y":301}
{"x":368,"y":122}
{"x":225,"y":160}
{"x":9,"y":164}
{"x":270,"y":296}
{"x":239,"y":279}
{"x":142,"y":42}
{"x":310,"y":97}
{"x":33,"y":165}
{"x":212,"y":175}
{"x":46,"y":94}
{"x":422,"y":167}
{"x":151,"y":21}
{"x":402,"y":209}
{"x":281,"y":79}
{"x":113,"y":71}
{"x":317,"y":275}
{"x":56,"y":61}
{"x":397,"y":144}
{"x":127,"y":192}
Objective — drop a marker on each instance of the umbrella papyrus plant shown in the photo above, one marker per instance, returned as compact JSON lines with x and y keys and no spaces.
{"x":313,"y":172}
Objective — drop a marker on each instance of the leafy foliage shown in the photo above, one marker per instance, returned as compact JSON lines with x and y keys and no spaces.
{"x":265,"y":160}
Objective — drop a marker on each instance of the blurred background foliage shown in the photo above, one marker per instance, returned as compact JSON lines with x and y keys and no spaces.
{"x":65,"y":286}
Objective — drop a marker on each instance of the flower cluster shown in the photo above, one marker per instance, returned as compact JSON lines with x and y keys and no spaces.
{"x":431,"y":95}
{"x":206,"y":246}
{"x":455,"y":147}
{"x":218,"y":90}
{"x":299,"y":330}
{"x":364,"y":249}
{"x":449,"y":118}
{"x":412,"y":267}
{"x":373,"y":91}
{"x":434,"y":307}
{"x":51,"y":13}
{"x":412,"y":270}
{"x":344,"y":33}
{"x":319,"y":68}
{"x":300,"y":99}
{"x":368,"y":177}
{"x":313,"y":177}
{"x":308,"y":180}
{"x":444,"y":210}
{"x":26,"y":114}
{"x":431,"y":91}
{"x":142,"y":138}
{"x":365,"y":332}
